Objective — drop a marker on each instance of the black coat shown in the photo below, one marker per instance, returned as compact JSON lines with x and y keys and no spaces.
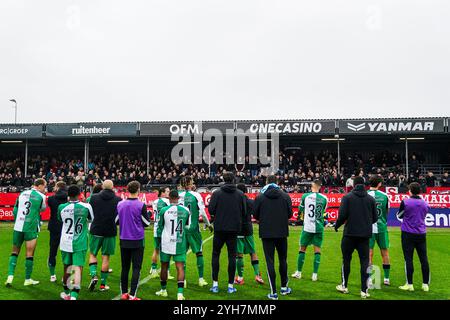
{"x":228,"y":209}
{"x":247,"y":227}
{"x":104,"y":206}
{"x":358,"y":211}
{"x":273,"y":209}
{"x":60,"y":197}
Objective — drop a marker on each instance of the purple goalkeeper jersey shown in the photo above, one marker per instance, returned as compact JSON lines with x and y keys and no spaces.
{"x":413,"y":212}
{"x":133,"y":217}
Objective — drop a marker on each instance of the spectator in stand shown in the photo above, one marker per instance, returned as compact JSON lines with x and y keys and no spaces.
{"x":430,"y":179}
{"x":445,"y":180}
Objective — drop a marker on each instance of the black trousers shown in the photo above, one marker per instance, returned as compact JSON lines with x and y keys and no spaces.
{"x":361,"y":245}
{"x":131,"y":256}
{"x":219,"y":240}
{"x":411,"y":241}
{"x":280,"y":245}
{"x":53,"y":245}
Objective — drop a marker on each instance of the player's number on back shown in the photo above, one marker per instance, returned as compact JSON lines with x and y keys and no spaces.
{"x":178,"y":228}
{"x":78,"y":226}
{"x":379,"y":211}
{"x":26,"y":211}
{"x":312,"y":210}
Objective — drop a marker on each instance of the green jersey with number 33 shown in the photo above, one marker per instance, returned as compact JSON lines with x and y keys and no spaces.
{"x":382,"y":202}
{"x":313,"y":206}
{"x":74,"y":215}
{"x":171,"y":228}
{"x":27,"y":211}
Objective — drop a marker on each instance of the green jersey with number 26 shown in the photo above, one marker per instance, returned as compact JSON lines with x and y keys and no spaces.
{"x":74,"y":215}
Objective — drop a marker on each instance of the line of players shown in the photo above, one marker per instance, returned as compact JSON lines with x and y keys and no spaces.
{"x":176,"y":230}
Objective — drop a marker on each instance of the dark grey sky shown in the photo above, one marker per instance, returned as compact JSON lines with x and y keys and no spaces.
{"x":131,"y":60}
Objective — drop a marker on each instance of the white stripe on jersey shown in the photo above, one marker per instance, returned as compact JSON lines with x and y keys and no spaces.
{"x":375,"y":225}
{"x":21,"y":209}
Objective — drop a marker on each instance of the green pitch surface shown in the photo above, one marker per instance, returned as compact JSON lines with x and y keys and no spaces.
{"x":329,"y":273}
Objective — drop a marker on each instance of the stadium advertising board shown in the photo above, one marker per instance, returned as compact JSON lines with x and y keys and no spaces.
{"x":91,"y":130}
{"x":180,"y":128}
{"x":393,"y":126}
{"x":288,"y":127}
{"x":23,"y":131}
{"x":439,"y":215}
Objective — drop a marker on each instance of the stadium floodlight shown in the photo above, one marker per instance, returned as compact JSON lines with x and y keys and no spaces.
{"x":118,"y":141}
{"x":12,"y":141}
{"x":333,"y":139}
{"x":15,"y":109}
{"x":415,"y":138}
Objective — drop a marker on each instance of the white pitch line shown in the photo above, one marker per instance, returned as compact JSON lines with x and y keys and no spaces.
{"x":147,"y":278}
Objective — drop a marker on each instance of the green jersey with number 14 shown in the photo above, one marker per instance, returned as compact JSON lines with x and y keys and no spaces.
{"x":74,"y":216}
{"x":171,"y":228}
{"x":382,"y":202}
{"x":157,"y":207}
{"x":313,"y":206}
{"x":27,"y":211}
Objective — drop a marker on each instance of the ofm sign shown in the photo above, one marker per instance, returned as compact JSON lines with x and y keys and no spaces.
{"x":394,"y":126}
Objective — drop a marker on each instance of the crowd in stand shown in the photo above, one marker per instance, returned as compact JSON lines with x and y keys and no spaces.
{"x":297,"y":169}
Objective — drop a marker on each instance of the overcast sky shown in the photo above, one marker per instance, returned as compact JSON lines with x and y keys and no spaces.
{"x":110,"y":60}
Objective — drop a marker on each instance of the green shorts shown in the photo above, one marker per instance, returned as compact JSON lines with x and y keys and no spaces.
{"x":194,"y":241}
{"x":245,"y":245}
{"x":74,"y":258}
{"x":382,"y":239}
{"x":308,"y":238}
{"x":19,"y":237}
{"x":157,"y":244}
{"x":107,"y":244}
{"x":164,"y":257}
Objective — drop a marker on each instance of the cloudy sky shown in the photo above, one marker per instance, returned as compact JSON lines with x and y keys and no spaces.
{"x":111,"y":60}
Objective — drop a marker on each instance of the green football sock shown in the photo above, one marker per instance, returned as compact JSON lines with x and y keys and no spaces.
{"x":180,"y":286}
{"x":154,"y":266}
{"x":316,"y":261}
{"x":164,"y":285}
{"x":300,"y":260}
{"x":12,"y":264}
{"x":387,"y":270}
{"x":66,"y":289}
{"x":200,"y":266}
{"x":240,"y":266}
{"x":255,"y":265}
{"x":74,"y":293}
{"x":104,"y":277}
{"x":93,"y":269}
{"x":52,"y":270}
{"x":28,"y":267}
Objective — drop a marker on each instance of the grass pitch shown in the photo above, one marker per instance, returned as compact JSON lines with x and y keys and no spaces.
{"x":303,"y":289}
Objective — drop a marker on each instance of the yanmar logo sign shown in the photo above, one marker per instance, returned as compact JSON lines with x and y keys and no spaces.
{"x":82,"y":131}
{"x":356,"y":127}
{"x":390,"y":126}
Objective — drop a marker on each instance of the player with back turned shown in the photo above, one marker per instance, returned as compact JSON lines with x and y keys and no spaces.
{"x":173,"y":221}
{"x":194,"y":202}
{"x":74,"y":216}
{"x":313,"y":206}
{"x":27,"y":218}
{"x":379,"y":229}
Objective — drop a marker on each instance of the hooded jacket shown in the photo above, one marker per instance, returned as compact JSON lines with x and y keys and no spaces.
{"x":273,"y":209}
{"x":104,"y":206}
{"x":358,"y":211}
{"x":60,"y":197}
{"x":228,"y":209}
